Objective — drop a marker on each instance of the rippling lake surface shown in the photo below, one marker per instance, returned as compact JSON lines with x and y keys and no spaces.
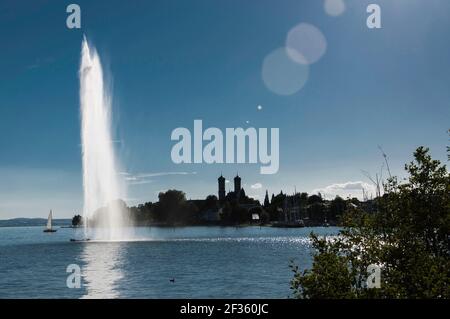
{"x":206,"y":262}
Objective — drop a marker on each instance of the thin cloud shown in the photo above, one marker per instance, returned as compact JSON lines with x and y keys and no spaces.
{"x":142,"y":182}
{"x":40,"y":63}
{"x":145,"y":175}
{"x":256,"y":186}
{"x":348,"y":189}
{"x":147,"y":178}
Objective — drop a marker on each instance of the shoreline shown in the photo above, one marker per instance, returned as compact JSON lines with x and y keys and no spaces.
{"x":186,"y":225}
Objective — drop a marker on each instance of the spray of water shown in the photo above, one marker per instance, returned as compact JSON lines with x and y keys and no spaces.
{"x":102,"y":187}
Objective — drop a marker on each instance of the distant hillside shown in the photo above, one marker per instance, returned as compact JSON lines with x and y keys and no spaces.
{"x":15,"y":222}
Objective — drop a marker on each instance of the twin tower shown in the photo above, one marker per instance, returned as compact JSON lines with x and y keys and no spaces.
{"x":237,"y":186}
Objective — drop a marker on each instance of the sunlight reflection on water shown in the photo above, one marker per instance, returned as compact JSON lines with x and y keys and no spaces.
{"x":102,"y":270}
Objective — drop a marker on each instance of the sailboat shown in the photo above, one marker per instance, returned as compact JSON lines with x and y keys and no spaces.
{"x":49,"y":228}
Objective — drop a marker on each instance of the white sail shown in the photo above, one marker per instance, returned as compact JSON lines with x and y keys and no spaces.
{"x":49,"y":221}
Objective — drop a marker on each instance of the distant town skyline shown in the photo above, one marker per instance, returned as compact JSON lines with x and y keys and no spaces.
{"x":170,"y":63}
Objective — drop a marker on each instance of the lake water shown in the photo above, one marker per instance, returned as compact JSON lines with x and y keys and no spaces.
{"x":206,"y":262}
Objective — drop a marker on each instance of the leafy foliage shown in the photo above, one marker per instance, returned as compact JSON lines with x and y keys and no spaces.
{"x":407,"y":236}
{"x":77,"y":220}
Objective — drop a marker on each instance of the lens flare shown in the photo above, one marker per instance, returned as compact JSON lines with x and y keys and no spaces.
{"x":307,"y":44}
{"x":281,"y":74}
{"x":334,"y":7}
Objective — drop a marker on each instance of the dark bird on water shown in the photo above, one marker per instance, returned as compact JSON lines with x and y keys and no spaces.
{"x":172,"y":280}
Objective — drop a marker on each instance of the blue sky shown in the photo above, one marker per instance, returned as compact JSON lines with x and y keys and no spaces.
{"x":170,"y":62}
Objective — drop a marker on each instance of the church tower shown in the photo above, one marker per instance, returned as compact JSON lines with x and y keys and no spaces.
{"x":237,"y":185}
{"x":221,"y":181}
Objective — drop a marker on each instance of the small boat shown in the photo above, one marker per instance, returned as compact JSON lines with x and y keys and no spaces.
{"x":49,"y":228}
{"x":79,"y":240}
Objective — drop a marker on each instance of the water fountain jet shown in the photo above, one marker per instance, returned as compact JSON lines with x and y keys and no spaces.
{"x":101,"y":184}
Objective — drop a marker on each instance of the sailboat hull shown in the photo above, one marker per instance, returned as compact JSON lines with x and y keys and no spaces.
{"x":49,"y":230}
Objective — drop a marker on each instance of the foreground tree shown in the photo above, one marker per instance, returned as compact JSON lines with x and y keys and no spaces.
{"x":77,"y":221}
{"x":171,"y":207}
{"x":407,"y":238}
